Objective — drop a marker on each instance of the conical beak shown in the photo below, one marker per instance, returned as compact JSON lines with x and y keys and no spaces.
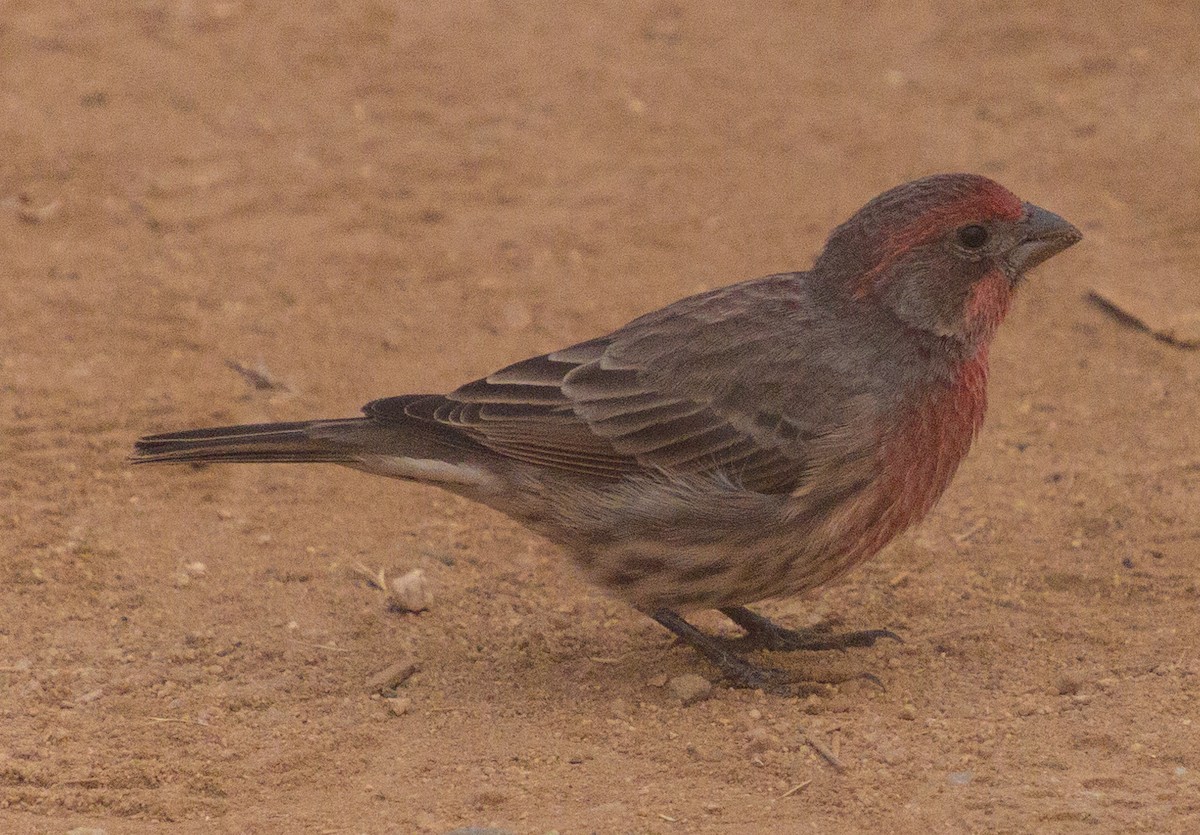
{"x":1045,"y":234}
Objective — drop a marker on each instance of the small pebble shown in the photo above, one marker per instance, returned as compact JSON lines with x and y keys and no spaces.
{"x":398,"y":706}
{"x":410,"y":592}
{"x":960,"y":778}
{"x":691,"y":688}
{"x":760,"y":740}
{"x":1068,"y":685}
{"x":908,"y":713}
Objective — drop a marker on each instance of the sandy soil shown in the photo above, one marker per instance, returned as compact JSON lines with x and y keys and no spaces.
{"x":369,"y":198}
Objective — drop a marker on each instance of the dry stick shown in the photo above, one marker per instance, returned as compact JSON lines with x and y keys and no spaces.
{"x":797,"y":788}
{"x":970,"y":532}
{"x":824,"y":751}
{"x":372,"y":579}
{"x":329,"y":647}
{"x":259,"y":378}
{"x":165,"y":719}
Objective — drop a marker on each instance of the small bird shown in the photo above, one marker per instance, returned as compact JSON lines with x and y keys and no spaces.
{"x":749,"y":442}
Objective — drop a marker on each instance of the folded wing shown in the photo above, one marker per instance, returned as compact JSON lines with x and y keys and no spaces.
{"x":658,"y":396}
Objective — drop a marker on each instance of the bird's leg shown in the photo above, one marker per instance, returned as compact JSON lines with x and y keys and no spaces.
{"x":762,"y":633}
{"x":737,"y":671}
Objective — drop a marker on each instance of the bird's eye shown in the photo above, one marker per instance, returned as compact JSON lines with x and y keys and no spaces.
{"x":973,"y":236}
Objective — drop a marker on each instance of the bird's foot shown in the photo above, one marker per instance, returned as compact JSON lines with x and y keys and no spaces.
{"x":763,"y":633}
{"x":736,"y":671}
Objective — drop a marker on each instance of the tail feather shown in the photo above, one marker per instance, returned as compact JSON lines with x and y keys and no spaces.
{"x":250,"y":443}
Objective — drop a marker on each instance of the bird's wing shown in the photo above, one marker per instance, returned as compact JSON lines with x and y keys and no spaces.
{"x":669,"y":393}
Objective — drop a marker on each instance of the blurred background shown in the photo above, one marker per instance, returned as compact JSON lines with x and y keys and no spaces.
{"x":225,"y":210}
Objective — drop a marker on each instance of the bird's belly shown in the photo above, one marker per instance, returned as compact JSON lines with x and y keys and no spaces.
{"x":718,"y":548}
{"x":704,"y":562}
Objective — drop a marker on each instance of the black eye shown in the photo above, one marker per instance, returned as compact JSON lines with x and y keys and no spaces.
{"x":973,"y":236}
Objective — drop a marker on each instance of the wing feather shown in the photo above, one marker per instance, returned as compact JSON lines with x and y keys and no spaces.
{"x":668,"y":393}
{"x":596,"y":421}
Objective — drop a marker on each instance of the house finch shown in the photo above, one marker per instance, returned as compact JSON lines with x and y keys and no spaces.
{"x":749,"y":442}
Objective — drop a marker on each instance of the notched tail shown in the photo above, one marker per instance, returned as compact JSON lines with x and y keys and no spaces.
{"x":301,"y":442}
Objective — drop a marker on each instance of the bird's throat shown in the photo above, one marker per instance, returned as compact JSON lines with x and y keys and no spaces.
{"x":921,"y":455}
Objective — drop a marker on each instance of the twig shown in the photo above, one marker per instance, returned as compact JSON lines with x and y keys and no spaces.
{"x":797,"y":788}
{"x":375,"y":580}
{"x":824,"y":751}
{"x":387,"y":680}
{"x":260,"y":379}
{"x":960,"y":538}
{"x":168,"y":720}
{"x":1180,"y":329}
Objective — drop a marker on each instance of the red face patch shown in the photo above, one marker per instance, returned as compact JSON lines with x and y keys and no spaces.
{"x":923,"y":211}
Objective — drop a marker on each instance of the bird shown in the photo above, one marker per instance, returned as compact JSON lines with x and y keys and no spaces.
{"x":751,"y":442}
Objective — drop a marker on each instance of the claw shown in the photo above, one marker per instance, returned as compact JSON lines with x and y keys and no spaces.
{"x":871,"y":678}
{"x":761,"y":633}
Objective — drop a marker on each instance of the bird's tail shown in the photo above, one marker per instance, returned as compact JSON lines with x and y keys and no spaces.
{"x":302,"y":442}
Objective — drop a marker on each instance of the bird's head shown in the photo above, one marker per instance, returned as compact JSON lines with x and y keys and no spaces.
{"x":943,"y":254}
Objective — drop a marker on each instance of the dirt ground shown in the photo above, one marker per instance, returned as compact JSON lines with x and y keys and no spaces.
{"x":369,"y":198}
